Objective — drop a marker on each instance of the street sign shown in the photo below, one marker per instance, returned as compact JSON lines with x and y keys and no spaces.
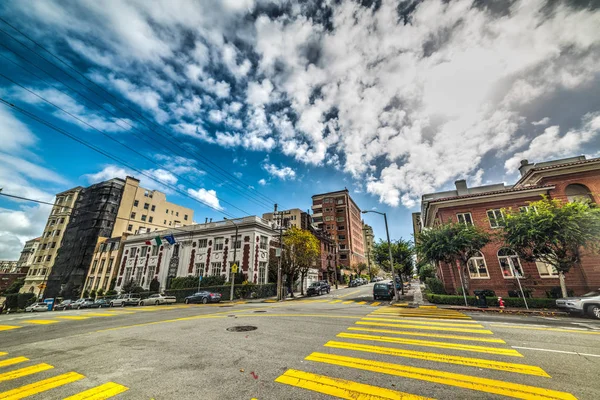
{"x":234,"y":268}
{"x":42,"y":286}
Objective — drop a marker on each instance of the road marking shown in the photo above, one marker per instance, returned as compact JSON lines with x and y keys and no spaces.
{"x":348,"y":294}
{"x":348,"y":302}
{"x":100,"y":392}
{"x":557,"y":351}
{"x":119,"y":312}
{"x":12,"y":361}
{"x":340,"y":388}
{"x":445,"y":378}
{"x":17,"y":373}
{"x":427,"y":306}
{"x":376,"y":303}
{"x":426,"y":327}
{"x":406,"y":320}
{"x":335,"y":301}
{"x":434,"y":335}
{"x":95,"y":314}
{"x":362,"y":302}
{"x":40,"y":386}
{"x":429,"y":343}
{"x":411,"y":319}
{"x":270,"y":301}
{"x":8,"y":327}
{"x":73,"y":317}
{"x":467,"y":361}
{"x":300,"y":315}
{"x":41,"y":321}
{"x":546,"y":329}
{"x":422,"y":316}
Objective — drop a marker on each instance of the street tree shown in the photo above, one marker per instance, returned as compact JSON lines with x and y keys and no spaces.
{"x":553,"y":232}
{"x":402,"y":256}
{"x":359,"y":268}
{"x":452,"y":243}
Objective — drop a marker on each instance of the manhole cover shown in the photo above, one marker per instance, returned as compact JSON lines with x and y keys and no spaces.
{"x":242,"y":328}
{"x":260,"y":311}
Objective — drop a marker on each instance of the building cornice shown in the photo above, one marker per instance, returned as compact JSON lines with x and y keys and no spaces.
{"x":534,"y":175}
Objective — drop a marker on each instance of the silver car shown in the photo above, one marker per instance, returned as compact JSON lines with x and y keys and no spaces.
{"x":157,"y":299}
{"x":588,"y":303}
{"x":36,"y":307}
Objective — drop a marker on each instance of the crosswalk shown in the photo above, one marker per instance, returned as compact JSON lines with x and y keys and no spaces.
{"x":425,"y":350}
{"x":48,"y":381}
{"x":336,"y":301}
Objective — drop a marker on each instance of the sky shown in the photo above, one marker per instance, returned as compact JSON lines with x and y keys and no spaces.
{"x":231,"y":106}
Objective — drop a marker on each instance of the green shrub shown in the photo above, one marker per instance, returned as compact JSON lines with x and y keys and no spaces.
{"x":25,"y":299}
{"x":556,"y":293}
{"x":240,"y":291}
{"x":86,"y":294}
{"x":426,"y":271}
{"x":12,"y":301}
{"x":488,"y":293}
{"x":492,"y":301}
{"x":435,"y":286}
{"x":100,"y":292}
{"x":154,"y":285}
{"x":459,"y":291}
{"x":110,"y":292}
{"x":15,"y":286}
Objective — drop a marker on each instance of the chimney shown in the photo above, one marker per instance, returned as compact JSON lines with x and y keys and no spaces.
{"x":206,"y":220}
{"x":461,"y":187}
{"x":525,"y":167}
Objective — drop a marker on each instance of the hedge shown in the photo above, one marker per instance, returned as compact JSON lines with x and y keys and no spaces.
{"x":516,"y":302}
{"x":26,"y":299}
{"x":248,"y":291}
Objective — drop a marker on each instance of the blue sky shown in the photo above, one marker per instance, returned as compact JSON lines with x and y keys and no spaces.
{"x":274,"y":100}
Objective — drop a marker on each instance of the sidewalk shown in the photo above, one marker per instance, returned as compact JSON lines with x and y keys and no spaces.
{"x":522,"y":311}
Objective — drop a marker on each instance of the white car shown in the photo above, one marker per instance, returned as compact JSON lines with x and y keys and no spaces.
{"x":157,"y":299}
{"x":37,"y":307}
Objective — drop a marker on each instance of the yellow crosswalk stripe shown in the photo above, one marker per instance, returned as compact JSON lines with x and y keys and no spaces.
{"x":41,"y":321}
{"x":424,"y":316}
{"x":427,"y":306}
{"x":426,"y":327}
{"x":40,"y":386}
{"x":17,"y":373}
{"x":335,"y":301}
{"x":424,"y":322}
{"x":411,"y":318}
{"x":73,"y":317}
{"x":434,"y":335}
{"x":420,"y":312}
{"x":119,"y":312}
{"x":486,"y":385}
{"x":3,"y":353}
{"x":100,"y":392}
{"x":348,"y":302}
{"x":341,"y":388}
{"x":96,"y":314}
{"x":428,"y":343}
{"x":376,"y":303}
{"x":8,"y":327}
{"x":362,"y":302}
{"x":12,"y":361}
{"x":467,"y":361}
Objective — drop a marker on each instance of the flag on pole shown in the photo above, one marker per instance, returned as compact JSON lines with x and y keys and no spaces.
{"x":170,"y":238}
{"x":154,"y":242}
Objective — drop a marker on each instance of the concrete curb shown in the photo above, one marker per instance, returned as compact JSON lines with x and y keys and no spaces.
{"x":506,"y":310}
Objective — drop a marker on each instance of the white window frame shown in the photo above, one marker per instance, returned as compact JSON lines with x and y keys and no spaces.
{"x":551,"y":273}
{"x":264,"y":243}
{"x":477,"y":267}
{"x":262,"y":272}
{"x":215,"y":268}
{"x":464,"y":221}
{"x":202,"y":243}
{"x":219,"y":243}
{"x":510,"y":262}
{"x":236,"y":241}
{"x":494,"y":221}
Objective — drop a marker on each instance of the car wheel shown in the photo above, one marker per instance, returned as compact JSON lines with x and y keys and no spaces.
{"x":111,"y":304}
{"x":187,"y":301}
{"x":204,"y":300}
{"x":123,"y":304}
{"x":141,"y":303}
{"x":156,"y":302}
{"x":594,"y":311}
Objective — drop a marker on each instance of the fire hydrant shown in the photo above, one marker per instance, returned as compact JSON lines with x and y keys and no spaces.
{"x":501,"y":303}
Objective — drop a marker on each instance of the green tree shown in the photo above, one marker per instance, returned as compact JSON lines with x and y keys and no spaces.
{"x":359,"y":268}
{"x":452,"y":243}
{"x":553,"y":232}
{"x":15,"y":286}
{"x":303,"y":250}
{"x":402,"y":255}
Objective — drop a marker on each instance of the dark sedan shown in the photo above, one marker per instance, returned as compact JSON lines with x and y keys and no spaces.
{"x":203,"y":297}
{"x":64,"y":305}
{"x":100,"y":303}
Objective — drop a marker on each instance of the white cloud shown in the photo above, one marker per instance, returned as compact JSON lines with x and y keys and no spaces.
{"x":543,"y":121}
{"x":259,"y":94}
{"x":18,"y":226}
{"x":238,"y":174}
{"x":14,"y":135}
{"x":262,"y":182}
{"x":283,"y":173}
{"x":208,"y":197}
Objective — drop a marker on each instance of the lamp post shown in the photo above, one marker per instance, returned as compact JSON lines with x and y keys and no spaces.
{"x":234,"y":257}
{"x":387,"y":232}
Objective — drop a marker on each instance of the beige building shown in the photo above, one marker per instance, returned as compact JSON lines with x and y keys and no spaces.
{"x":105,"y":263}
{"x":369,"y":243}
{"x":295,"y":217}
{"x":142,"y":210}
{"x":27,"y":255}
{"x":49,"y":243}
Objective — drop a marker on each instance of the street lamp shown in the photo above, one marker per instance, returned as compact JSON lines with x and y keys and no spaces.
{"x":234,"y":256}
{"x":387,"y":232}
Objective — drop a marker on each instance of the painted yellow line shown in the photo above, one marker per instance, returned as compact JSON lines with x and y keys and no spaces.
{"x":335,"y":301}
{"x":17,"y":373}
{"x":427,"y":306}
{"x":404,"y":312}
{"x":270,"y":301}
{"x":433,"y":335}
{"x":445,"y":378}
{"x":349,"y":294}
{"x":406,"y":320}
{"x":41,"y":321}
{"x":8,"y":327}
{"x":388,"y":316}
{"x":376,"y":303}
{"x":348,"y":302}
{"x":545,"y":329}
{"x":73,"y":317}
{"x":340,"y":388}
{"x":362,"y":302}
{"x":300,"y":315}
{"x":428,"y":343}
{"x":97,"y":314}
{"x":420,"y":316}
{"x":3,"y":353}
{"x":467,"y":361}
{"x":100,"y":392}
{"x":118,"y":312}
{"x":12,"y":361}
{"x":426,"y":327}
{"x":40,"y":386}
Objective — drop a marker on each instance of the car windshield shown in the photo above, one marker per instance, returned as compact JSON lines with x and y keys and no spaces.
{"x":591,"y":294}
{"x":315,"y":284}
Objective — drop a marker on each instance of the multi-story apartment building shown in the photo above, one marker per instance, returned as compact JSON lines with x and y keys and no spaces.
{"x":369,"y":243}
{"x":294,"y":217}
{"x":105,"y":263}
{"x":81,"y":216}
{"x":337,"y":214}
{"x":45,"y":254}
{"x":27,"y":255}
{"x":495,"y":266}
{"x":199,"y":250}
{"x":8,"y":266}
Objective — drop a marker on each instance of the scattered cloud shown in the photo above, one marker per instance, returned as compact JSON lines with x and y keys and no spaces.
{"x":208,"y":197}
{"x":262,"y":182}
{"x":283,"y":173}
{"x":543,"y":121}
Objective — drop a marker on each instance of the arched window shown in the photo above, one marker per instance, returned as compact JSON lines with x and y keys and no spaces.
{"x":477,"y":267}
{"x":509,"y":263}
{"x":577,"y":192}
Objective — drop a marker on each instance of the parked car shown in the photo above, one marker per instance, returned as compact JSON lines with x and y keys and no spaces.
{"x":203,"y":297}
{"x":64,"y":305}
{"x":123,"y":300}
{"x":318,"y":288}
{"x":37,"y":307}
{"x":100,"y":303}
{"x":383,"y":290}
{"x":353,"y":283}
{"x":157,"y":299}
{"x":588,"y":303}
{"x":76,"y":303}
{"x":85,"y":303}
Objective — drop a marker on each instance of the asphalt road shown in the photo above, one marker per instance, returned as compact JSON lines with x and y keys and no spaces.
{"x":341,"y":345}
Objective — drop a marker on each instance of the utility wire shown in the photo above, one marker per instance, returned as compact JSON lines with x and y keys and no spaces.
{"x":106,"y":154}
{"x":206,"y":162}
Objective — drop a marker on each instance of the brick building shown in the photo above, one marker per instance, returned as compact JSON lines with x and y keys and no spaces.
{"x":567,"y":179}
{"x":338,"y":215}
